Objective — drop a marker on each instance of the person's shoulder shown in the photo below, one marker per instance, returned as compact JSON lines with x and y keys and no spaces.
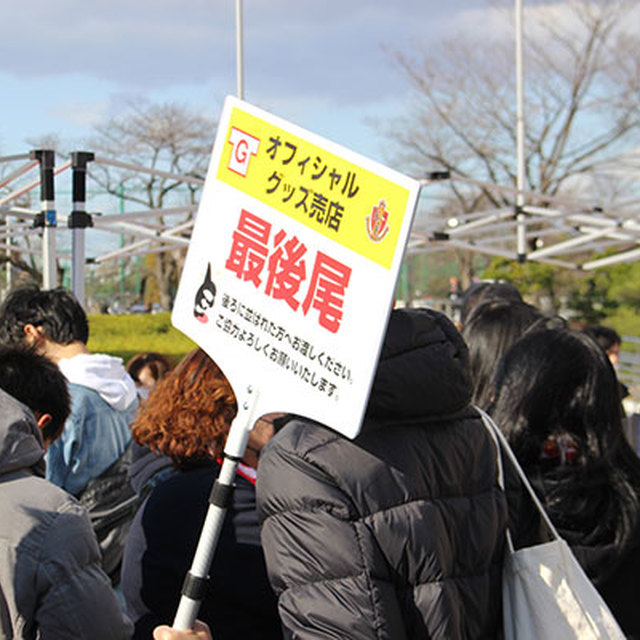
{"x":36,"y":495}
{"x":302,"y":437}
{"x":181,"y":488}
{"x":66,"y":511}
{"x":70,"y":540}
{"x":81,"y":395}
{"x":51,"y":522}
{"x":303,"y":449}
{"x":87,"y":400}
{"x":77,"y":390}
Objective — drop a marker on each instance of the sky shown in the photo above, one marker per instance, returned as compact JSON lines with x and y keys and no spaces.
{"x":325,"y":65}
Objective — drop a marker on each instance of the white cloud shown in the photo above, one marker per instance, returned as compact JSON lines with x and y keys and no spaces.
{"x":81,"y":114}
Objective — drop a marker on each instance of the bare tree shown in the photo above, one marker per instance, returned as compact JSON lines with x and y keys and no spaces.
{"x":582,"y":100}
{"x":165,"y":137}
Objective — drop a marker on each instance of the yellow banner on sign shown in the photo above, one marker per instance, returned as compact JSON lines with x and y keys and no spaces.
{"x":343,"y":201}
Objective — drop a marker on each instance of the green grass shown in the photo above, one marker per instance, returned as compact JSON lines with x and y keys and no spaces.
{"x":126,"y":335}
{"x":625,"y":322}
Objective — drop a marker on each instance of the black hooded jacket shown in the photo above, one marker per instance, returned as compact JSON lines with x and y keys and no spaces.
{"x":399,"y":533}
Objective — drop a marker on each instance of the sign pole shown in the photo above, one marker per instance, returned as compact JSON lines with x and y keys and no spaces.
{"x":195,"y":582}
{"x":273,"y":296}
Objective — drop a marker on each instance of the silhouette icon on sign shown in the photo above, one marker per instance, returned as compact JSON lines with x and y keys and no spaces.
{"x":205,"y":297}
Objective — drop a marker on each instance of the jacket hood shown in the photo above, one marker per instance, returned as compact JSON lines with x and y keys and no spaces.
{"x":423,"y":368}
{"x":105,"y":374}
{"x":20,"y":439}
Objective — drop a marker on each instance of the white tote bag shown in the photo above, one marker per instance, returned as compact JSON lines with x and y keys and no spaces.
{"x":546,"y":594}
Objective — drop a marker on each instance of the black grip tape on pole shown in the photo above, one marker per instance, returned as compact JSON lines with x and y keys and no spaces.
{"x":195,"y":587}
{"x":221,"y":495}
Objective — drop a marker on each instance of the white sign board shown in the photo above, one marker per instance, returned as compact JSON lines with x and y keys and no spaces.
{"x":292,"y":266}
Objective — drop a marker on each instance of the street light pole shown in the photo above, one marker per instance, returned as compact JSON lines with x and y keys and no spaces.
{"x":239,"y":51}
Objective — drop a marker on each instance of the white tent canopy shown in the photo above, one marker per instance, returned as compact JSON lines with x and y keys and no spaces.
{"x":142,"y":229}
{"x":559,"y":231}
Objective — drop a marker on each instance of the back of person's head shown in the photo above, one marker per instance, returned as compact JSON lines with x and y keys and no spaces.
{"x":606,"y":337}
{"x":38,"y":383}
{"x":189,"y":413}
{"x":553,"y":382}
{"x":423,"y":369}
{"x":155,"y":363}
{"x":480,"y":292}
{"x":55,"y":312}
{"x":489,"y":332}
{"x":557,"y":403}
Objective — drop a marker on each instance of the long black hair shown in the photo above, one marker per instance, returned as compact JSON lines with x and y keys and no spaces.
{"x":481,"y":292}
{"x":489,"y":331}
{"x":557,"y":385}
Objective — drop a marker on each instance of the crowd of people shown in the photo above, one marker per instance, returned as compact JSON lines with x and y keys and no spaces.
{"x":106,"y":472}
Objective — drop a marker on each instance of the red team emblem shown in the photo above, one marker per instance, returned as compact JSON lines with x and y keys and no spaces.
{"x":378,"y":222}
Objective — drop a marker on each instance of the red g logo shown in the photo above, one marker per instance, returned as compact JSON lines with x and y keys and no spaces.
{"x":244,"y":146}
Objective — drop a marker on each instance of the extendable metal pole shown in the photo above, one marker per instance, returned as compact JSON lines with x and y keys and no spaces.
{"x":521,"y":229}
{"x":195,"y":582}
{"x":78,"y":221}
{"x":47,"y":218}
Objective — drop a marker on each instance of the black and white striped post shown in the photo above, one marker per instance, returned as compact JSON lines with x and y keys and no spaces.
{"x":47,"y":217}
{"x":78,"y":221}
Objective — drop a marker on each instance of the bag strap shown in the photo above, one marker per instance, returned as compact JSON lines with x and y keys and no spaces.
{"x":503,"y":445}
{"x":486,"y":419}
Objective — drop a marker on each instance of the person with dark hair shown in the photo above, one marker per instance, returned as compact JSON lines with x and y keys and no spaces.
{"x":88,"y":459}
{"x":51,"y":581}
{"x":398,"y":533}
{"x":29,"y":313}
{"x":610,"y":341}
{"x":480,"y":292}
{"x":147,"y":369}
{"x":103,"y":395}
{"x":180,"y":435}
{"x":489,"y":332}
{"x":556,"y":402}
{"x":37,"y":383}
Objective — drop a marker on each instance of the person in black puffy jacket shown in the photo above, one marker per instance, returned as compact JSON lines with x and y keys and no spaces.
{"x":398,"y":533}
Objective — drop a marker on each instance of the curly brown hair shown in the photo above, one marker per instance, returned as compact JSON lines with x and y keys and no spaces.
{"x":189,"y":413}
